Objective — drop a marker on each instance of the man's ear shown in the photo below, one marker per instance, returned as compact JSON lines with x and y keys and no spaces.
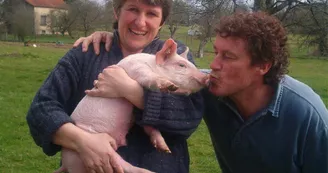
{"x":115,"y":14}
{"x":263,"y":68}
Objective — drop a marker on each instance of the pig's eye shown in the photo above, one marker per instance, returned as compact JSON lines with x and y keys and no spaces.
{"x":182,"y":65}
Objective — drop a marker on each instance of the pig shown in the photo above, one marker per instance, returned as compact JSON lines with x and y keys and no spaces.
{"x":165,"y":71}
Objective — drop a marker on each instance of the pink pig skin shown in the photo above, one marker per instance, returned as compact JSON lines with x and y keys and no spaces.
{"x":114,"y":115}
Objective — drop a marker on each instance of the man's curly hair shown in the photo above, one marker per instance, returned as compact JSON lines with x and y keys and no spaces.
{"x":265,"y":37}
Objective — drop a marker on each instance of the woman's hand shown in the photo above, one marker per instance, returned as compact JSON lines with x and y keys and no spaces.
{"x":112,"y":82}
{"x":96,"y":38}
{"x":115,"y":82}
{"x":97,"y":151}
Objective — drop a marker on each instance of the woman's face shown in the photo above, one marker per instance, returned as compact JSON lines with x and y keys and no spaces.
{"x":138,"y":25}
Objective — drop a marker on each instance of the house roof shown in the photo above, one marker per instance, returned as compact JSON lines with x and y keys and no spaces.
{"x":47,"y":3}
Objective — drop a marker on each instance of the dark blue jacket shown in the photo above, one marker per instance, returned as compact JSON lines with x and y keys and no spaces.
{"x":76,"y":71}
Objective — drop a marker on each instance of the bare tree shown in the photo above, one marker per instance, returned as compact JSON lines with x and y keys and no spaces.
{"x":310,"y":21}
{"x":179,"y":16}
{"x":82,"y":15}
{"x":207,"y":15}
{"x":106,"y":18}
{"x":62,"y":21}
{"x":307,"y":18}
{"x":89,"y":12}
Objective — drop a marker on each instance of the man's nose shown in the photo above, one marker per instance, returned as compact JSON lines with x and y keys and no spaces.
{"x":216,"y":64}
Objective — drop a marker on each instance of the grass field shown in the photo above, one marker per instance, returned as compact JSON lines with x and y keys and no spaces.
{"x":23,"y":69}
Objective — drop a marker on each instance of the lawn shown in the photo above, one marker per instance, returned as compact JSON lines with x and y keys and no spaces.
{"x":23,"y":69}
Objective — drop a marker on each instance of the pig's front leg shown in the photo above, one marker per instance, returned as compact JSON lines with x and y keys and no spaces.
{"x":157,"y":139}
{"x":151,"y":80}
{"x":155,"y":82}
{"x":148,"y":76}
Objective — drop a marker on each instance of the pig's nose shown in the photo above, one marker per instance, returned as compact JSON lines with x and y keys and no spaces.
{"x":203,"y":79}
{"x":206,"y":80}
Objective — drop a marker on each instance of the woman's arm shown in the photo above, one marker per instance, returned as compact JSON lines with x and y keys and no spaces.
{"x":51,"y":126}
{"x":115,"y":82}
{"x":48,"y":111}
{"x":171,"y":113}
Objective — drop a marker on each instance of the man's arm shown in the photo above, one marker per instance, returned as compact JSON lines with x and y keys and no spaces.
{"x":96,"y":38}
{"x":315,"y":157}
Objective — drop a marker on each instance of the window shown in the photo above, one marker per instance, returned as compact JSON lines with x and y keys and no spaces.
{"x":43,"y":20}
{"x":43,"y":32}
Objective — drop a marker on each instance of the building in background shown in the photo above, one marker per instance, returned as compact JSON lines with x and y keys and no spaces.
{"x":42,"y":10}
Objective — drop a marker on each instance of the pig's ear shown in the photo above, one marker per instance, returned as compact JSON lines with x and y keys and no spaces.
{"x":185,"y":53}
{"x":169,"y":48}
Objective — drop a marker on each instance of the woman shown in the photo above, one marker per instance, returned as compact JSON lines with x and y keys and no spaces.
{"x":137,"y":27}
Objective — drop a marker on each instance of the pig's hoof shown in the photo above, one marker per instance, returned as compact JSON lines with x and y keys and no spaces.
{"x":172,"y":87}
{"x":160,"y":145}
{"x":166,"y":85}
{"x":168,"y":151}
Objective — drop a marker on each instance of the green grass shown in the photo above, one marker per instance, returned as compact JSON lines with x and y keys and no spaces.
{"x":23,"y":69}
{"x":313,"y":72}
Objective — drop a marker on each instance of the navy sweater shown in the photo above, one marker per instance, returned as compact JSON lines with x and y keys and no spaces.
{"x":175,"y":116}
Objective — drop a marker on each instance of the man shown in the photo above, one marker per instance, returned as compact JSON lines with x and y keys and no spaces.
{"x":260,"y":119}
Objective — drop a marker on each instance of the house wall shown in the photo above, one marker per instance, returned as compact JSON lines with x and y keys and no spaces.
{"x":41,"y":11}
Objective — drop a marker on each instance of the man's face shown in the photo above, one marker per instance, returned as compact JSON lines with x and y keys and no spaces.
{"x":138,"y":24}
{"x":232,"y":72}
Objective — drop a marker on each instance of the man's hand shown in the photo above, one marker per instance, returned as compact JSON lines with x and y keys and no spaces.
{"x":96,"y":38}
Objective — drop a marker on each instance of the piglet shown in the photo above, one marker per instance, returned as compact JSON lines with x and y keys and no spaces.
{"x":165,"y":71}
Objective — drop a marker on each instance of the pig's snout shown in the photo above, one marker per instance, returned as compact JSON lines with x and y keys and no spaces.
{"x":202,"y":78}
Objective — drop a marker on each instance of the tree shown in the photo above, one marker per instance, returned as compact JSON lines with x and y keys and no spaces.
{"x":179,"y":16}
{"x":63,"y":21}
{"x":106,"y":18}
{"x":82,"y":15}
{"x":89,"y":12}
{"x":22,"y":22}
{"x":307,"y":18}
{"x":206,"y":15}
{"x":310,"y":21}
{"x":7,"y":10}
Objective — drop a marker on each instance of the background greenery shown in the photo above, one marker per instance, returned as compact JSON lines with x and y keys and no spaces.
{"x":23,"y":69}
